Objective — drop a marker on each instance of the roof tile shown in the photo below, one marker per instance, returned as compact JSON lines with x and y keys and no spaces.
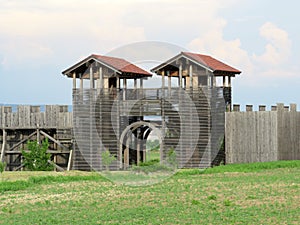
{"x":211,"y":62}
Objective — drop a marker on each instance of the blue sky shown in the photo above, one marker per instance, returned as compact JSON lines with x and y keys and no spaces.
{"x":39,"y":39}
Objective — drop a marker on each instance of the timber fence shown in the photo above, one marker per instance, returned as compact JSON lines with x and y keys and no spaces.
{"x":260,"y":136}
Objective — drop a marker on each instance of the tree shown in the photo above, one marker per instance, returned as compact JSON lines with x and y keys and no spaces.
{"x":107,"y":159}
{"x":172,"y":159}
{"x":37,"y":157}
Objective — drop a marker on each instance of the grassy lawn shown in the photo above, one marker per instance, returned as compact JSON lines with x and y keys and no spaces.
{"x":260,"y":193}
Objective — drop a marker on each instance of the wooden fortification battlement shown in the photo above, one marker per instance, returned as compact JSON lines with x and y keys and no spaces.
{"x":278,"y":107}
{"x":33,"y":116}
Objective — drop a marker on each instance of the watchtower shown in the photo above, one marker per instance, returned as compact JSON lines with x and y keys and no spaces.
{"x":188,"y":116}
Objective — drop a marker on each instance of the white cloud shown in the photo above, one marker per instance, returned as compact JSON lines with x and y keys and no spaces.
{"x":214,"y":44}
{"x":41,"y":29}
{"x":278,"y":48}
{"x":272,"y":62}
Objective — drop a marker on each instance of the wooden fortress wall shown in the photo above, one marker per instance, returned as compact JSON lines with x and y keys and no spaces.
{"x":262,"y":135}
{"x":53,"y":122}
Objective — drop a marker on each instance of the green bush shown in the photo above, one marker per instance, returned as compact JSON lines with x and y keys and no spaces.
{"x":37,"y":157}
{"x":149,"y":163}
{"x":107,"y":159}
{"x":2,"y":167}
{"x":172,"y":159}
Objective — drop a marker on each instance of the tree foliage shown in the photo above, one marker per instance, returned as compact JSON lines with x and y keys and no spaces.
{"x":153,"y":144}
{"x":107,"y":159}
{"x":36,"y":159}
{"x":2,"y":167}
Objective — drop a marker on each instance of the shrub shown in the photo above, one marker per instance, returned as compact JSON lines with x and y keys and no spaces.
{"x":2,"y":167}
{"x":172,"y":159}
{"x":37,"y":158}
{"x":107,"y":159}
{"x":149,"y":163}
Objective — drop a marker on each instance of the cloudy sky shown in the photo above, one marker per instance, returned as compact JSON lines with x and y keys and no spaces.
{"x":41,"y":38}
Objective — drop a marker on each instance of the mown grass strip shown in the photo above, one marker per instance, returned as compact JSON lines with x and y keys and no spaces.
{"x":242,"y":168}
{"x":38,"y":180}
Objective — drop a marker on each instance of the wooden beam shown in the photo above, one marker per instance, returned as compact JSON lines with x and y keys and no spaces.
{"x":22,"y":141}
{"x":163,"y":79}
{"x":81,"y":82}
{"x":56,"y":166}
{"x":74,"y":80}
{"x":169,"y":83}
{"x":135,"y":83}
{"x":91,"y":77}
{"x":191,"y":75}
{"x":180,"y":75}
{"x":70,"y":162}
{"x":3,"y":145}
{"x":52,"y":139}
{"x":141,"y":83}
{"x":100,"y":78}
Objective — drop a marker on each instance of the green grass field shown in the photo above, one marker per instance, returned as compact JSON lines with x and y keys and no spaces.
{"x":259,"y":193}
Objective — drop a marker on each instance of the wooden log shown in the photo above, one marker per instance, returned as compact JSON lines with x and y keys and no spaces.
{"x":53,"y":139}
{"x":70,"y":162}
{"x":236,"y":108}
{"x":249,"y":108}
{"x":191,"y":75}
{"x":22,"y":141}
{"x":293,"y":107}
{"x":56,"y":166}
{"x":3,"y":146}
{"x":262,"y":108}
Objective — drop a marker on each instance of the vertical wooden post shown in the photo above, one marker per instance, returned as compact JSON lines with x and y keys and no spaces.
{"x":74,"y":80}
{"x":100,"y":78}
{"x":281,"y":147}
{"x":38,"y":135}
{"x":229,"y":81}
{"x":3,"y":145}
{"x":169,"y":83}
{"x":262,"y":108}
{"x":138,"y":148}
{"x":249,"y":108}
{"x":141,"y":83}
{"x":118,"y":82}
{"x":70,"y":161}
{"x":180,"y":75}
{"x":273,"y":108}
{"x":191,"y":76}
{"x":293,"y":107}
{"x":135,"y":83}
{"x":81,"y":82}
{"x":124,"y":88}
{"x":91,"y":77}
{"x":236,"y":108}
{"x":224,"y":81}
{"x":163,"y":79}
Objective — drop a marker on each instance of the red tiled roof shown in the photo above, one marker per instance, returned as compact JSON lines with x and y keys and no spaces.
{"x":121,"y":65}
{"x":211,"y":62}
